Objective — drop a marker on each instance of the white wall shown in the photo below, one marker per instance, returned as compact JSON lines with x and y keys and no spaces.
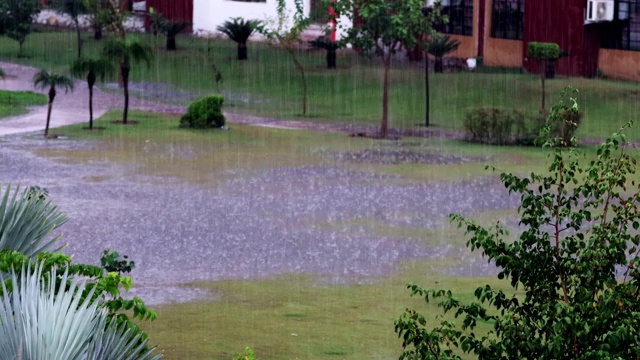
{"x":208,"y":14}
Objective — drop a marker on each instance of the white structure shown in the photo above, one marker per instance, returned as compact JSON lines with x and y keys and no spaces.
{"x":209,"y":14}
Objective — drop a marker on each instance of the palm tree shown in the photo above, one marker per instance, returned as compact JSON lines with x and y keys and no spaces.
{"x":126,"y":52}
{"x":168,"y":28}
{"x":439,"y":46}
{"x":331,"y":47}
{"x":91,"y":68}
{"x":44,"y":79}
{"x":239,"y":31}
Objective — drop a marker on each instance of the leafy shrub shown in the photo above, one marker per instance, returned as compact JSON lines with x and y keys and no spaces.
{"x":494,"y":126}
{"x":543,"y":51}
{"x":204,"y":113}
{"x":573,"y":269}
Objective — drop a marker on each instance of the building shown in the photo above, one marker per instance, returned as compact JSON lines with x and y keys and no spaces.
{"x":499,"y":31}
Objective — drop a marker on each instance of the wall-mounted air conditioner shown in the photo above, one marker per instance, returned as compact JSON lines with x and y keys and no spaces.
{"x":599,"y":11}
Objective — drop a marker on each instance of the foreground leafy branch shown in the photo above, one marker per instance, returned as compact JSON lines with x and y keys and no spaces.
{"x":575,"y":264}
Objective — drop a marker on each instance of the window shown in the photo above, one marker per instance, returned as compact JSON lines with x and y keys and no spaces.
{"x":507,"y":19}
{"x":623,"y":32}
{"x":460,"y":14}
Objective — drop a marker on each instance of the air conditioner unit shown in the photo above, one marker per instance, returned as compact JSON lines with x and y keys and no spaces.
{"x":599,"y":11}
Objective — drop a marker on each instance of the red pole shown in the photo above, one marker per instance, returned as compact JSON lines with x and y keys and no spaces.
{"x":332,"y":15}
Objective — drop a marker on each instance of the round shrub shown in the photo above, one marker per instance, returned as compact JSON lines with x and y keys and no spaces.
{"x":204,"y":113}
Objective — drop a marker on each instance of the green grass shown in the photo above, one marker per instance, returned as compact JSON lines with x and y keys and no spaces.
{"x":295,"y":316}
{"x":268,"y":85}
{"x":16,"y":102}
{"x":301,"y":317}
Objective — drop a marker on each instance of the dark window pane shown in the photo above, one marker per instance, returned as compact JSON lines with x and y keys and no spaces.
{"x":460,"y":14}
{"x":623,"y":32}
{"x":507,"y":19}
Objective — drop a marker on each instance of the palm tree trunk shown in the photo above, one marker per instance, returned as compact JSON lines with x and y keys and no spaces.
{"x":90,"y":107}
{"x":171,"y":43}
{"x":331,"y":58}
{"x":384,"y":127}
{"x":242,"y":51}
{"x":46,"y":128}
{"x":438,"y":67}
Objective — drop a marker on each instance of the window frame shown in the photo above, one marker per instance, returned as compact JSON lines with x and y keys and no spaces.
{"x":460,"y":19}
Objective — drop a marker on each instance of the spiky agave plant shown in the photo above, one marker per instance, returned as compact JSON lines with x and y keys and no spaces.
{"x":239,"y":30}
{"x":27,"y":218}
{"x":46,"y":319}
{"x":439,"y":46}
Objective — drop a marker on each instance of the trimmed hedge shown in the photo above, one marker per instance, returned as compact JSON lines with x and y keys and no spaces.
{"x":204,"y":113}
{"x":495,"y":126}
{"x":543,"y":51}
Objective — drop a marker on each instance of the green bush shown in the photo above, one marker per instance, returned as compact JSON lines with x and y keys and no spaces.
{"x":204,"y":113}
{"x":543,"y":51}
{"x":494,"y":126}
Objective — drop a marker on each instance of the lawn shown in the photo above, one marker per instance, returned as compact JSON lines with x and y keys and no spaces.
{"x":297,"y":316}
{"x":16,"y":102}
{"x":268,"y":85}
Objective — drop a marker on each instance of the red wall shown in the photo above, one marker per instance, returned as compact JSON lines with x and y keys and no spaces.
{"x":176,"y":10}
{"x":562,"y":22}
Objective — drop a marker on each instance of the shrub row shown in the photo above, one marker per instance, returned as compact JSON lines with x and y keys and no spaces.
{"x":497,"y":126}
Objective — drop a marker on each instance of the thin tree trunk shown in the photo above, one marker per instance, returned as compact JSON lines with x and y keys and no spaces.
{"x":90,"y":107}
{"x":21,"y":48}
{"x":542,"y":76}
{"x":384,"y":127}
{"x":97,"y":31}
{"x":46,"y":128}
{"x":79,"y":38}
{"x":303,"y":78}
{"x":125,"y":84}
{"x":426,"y":90}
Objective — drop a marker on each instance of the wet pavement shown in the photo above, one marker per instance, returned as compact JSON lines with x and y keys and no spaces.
{"x":276,"y":221}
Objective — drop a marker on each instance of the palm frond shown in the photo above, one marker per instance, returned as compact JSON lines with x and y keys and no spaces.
{"x":44,"y":79}
{"x":238,"y":29}
{"x":115,"y":342}
{"x":40,"y":320}
{"x":26,"y":220}
{"x":127,"y":50}
{"x":440,"y":46}
{"x":100,"y":67}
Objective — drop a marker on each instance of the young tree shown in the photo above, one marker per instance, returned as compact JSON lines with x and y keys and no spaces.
{"x":386,"y":26}
{"x":16,"y":17}
{"x":106,"y":14}
{"x":239,"y":30}
{"x":92,"y":69}
{"x":285,"y":32}
{"x":170,"y":29}
{"x":574,"y":263}
{"x":44,"y":79}
{"x":546,"y":53}
{"x":439,"y":46}
{"x":73,"y":8}
{"x":125,"y":53}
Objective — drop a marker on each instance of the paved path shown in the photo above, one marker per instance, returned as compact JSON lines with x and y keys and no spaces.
{"x":68,"y":108}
